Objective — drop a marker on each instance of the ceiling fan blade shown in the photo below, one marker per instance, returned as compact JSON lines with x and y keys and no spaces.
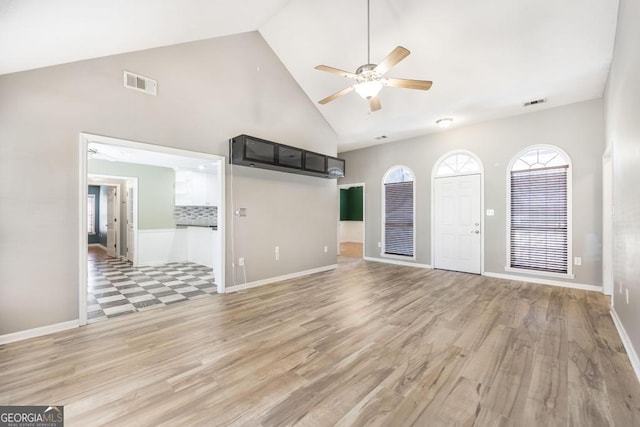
{"x":335,"y":71}
{"x":410,"y":84}
{"x":397,"y":55}
{"x":374,"y":103}
{"x":336,"y":95}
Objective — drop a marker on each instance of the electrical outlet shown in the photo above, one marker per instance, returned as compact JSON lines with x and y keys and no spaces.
{"x":627,"y":291}
{"x":326,"y":249}
{"x":577,"y":260}
{"x":491,"y":212}
{"x":379,"y":244}
{"x":277,"y":256}
{"x":240,"y":262}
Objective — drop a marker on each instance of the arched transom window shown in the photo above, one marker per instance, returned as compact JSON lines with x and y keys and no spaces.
{"x":457,"y":164}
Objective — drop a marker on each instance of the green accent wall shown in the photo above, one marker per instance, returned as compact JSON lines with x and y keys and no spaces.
{"x":351,"y":204}
{"x":156,"y":190}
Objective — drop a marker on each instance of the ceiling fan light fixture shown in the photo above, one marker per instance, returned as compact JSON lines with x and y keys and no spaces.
{"x":368,"y":89}
{"x":444,"y":123}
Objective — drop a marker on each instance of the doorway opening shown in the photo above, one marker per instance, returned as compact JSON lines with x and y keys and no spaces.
{"x":457,"y":228}
{"x":111,"y":216}
{"x":351,"y":240}
{"x":153,"y":220}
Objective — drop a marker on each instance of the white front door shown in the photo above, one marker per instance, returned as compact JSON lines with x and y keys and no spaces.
{"x":112,"y":222}
{"x":457,"y":242}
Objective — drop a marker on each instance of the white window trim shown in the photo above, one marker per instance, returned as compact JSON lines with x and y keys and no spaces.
{"x":382,"y":240}
{"x":436,"y":166}
{"x":569,"y":274}
{"x":540,"y":273}
{"x":434,"y":176}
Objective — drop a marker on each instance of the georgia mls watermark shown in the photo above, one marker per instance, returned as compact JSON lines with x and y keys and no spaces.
{"x":31,"y":416}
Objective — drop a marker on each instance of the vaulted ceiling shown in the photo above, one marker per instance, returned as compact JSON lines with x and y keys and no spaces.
{"x":485,"y":58}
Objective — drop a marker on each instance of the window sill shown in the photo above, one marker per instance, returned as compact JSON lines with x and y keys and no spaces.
{"x":540,"y":273}
{"x":399,"y":257}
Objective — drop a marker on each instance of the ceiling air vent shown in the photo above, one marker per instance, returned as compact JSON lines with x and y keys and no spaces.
{"x":140,"y":83}
{"x":535,"y":102}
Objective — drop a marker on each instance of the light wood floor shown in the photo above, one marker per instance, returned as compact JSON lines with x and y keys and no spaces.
{"x":96,"y":253}
{"x":351,"y":249}
{"x":367,"y":344}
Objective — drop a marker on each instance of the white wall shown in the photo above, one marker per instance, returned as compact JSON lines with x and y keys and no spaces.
{"x":622,"y":109}
{"x":162,"y":245}
{"x":351,"y":231}
{"x":208,"y":92}
{"x":577,"y":129}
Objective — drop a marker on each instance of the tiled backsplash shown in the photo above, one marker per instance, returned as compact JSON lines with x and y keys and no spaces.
{"x":196,"y":215}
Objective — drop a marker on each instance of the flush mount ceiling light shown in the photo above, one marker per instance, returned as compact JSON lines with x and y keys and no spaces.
{"x":444,"y":123}
{"x":370,"y":77}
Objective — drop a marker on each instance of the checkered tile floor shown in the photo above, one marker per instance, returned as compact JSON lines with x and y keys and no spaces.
{"x":117,"y":288}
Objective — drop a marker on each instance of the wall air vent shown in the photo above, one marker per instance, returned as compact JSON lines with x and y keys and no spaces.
{"x":534,"y":102}
{"x":140,"y":83}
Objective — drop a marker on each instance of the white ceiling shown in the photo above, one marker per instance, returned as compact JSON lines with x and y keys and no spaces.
{"x":115,"y":153}
{"x":485,"y":58}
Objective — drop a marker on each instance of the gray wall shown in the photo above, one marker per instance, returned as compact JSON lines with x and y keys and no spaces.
{"x":208,"y":91}
{"x":622,"y":107}
{"x":577,"y":128}
{"x":156,"y":190}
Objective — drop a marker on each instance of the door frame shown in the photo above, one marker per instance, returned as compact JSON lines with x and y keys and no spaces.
{"x":83,"y":145}
{"x":433,"y":201}
{"x":134,"y":180}
{"x":607,"y":222}
{"x":117,"y":207}
{"x":364,"y":214}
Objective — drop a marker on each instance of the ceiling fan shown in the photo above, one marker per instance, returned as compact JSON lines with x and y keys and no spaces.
{"x":370,"y":77}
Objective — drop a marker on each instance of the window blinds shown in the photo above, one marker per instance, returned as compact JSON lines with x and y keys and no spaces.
{"x":398,"y":214}
{"x":539,"y":224}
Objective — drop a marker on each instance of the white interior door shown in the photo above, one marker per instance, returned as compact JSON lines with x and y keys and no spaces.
{"x":112,"y":222}
{"x":457,"y":242}
{"x":130,"y":222}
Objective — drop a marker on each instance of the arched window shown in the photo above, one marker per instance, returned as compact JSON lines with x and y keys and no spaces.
{"x":457,"y":164}
{"x":398,"y":211}
{"x":539,"y":222}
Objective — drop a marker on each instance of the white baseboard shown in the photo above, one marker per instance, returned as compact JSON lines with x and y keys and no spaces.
{"x":628,"y":346}
{"x":98,"y":245}
{"x":540,"y":281}
{"x":262,"y":282}
{"x":37,"y":332}
{"x":399,"y":262}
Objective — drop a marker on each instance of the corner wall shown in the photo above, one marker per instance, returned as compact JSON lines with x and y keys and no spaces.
{"x":622,"y":108}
